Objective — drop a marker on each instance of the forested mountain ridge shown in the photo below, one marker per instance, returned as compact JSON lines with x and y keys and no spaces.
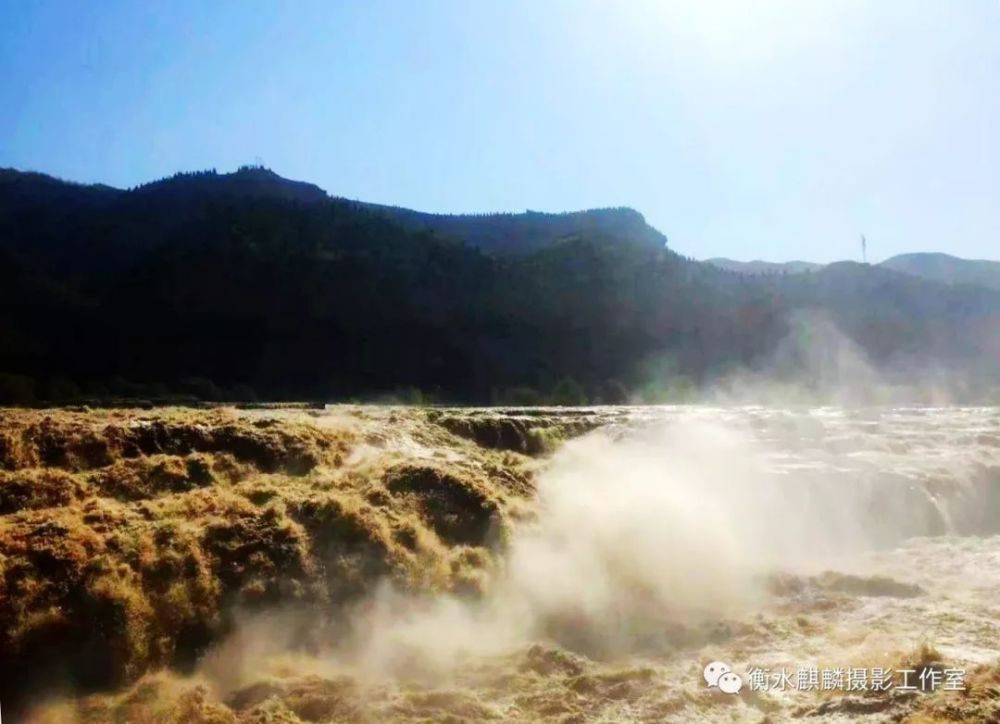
{"x":25,"y":193}
{"x":246,"y":284}
{"x":510,"y":234}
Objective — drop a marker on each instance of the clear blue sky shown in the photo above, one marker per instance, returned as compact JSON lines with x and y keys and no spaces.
{"x":749,"y":129}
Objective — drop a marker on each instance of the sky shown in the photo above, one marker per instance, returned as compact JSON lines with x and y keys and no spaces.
{"x":763,"y":129}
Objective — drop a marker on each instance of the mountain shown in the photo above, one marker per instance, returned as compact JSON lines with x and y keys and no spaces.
{"x":763,"y":267}
{"x":231,"y":286}
{"x":947,"y":269}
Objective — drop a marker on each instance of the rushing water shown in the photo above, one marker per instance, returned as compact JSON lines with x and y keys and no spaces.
{"x":773,"y":540}
{"x":769,"y":539}
{"x":875,"y":529}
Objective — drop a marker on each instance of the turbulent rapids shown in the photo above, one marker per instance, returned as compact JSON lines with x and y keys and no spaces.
{"x":368,"y":564}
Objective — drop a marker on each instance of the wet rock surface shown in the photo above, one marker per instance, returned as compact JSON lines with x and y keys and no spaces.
{"x":529,"y":431}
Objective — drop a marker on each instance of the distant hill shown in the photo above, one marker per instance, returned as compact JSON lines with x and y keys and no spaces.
{"x":934,"y":266}
{"x":244,"y":285}
{"x":947,"y":269}
{"x":763,"y":267}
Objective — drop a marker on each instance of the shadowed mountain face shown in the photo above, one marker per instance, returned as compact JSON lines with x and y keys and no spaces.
{"x":231,"y":285}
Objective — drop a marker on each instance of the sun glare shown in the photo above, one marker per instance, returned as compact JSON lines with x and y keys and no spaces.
{"x":729,"y":32}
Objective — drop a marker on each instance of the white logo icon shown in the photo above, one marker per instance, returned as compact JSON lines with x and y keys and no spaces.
{"x":714,"y":670}
{"x":721,"y":675}
{"x":730,"y":683}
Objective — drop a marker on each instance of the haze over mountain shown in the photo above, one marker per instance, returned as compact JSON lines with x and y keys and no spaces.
{"x":935,"y":266}
{"x":946,"y":268}
{"x":248,"y":284}
{"x":763,"y":267}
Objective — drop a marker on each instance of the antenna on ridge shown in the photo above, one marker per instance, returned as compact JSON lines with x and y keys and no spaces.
{"x":864,"y":249}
